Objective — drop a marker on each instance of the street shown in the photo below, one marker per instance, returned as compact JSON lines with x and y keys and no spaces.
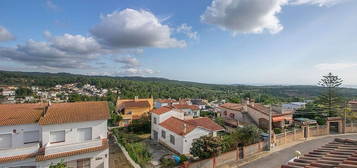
{"x":276,"y":159}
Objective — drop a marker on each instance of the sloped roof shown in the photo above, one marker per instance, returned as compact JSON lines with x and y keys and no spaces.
{"x":134,"y":104}
{"x":178,"y":126}
{"x":162,"y":110}
{"x":339,"y":153}
{"x":59,"y":113}
{"x":17,"y":114}
{"x":232,"y":106}
{"x":185,"y":106}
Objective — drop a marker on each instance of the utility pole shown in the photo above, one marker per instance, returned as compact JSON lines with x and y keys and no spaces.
{"x":270,"y":129}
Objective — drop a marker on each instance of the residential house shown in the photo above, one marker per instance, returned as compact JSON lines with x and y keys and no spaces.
{"x":38,"y":135}
{"x":170,"y":128}
{"x":200,"y":103}
{"x":232,"y":113}
{"x":190,"y":111}
{"x":165,"y":102}
{"x":260,"y":114}
{"x":131,"y":109}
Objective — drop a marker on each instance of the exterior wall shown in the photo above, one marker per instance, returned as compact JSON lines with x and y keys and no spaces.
{"x":97,"y":160}
{"x":27,"y":162}
{"x":256,"y":115}
{"x":178,"y":147}
{"x":17,"y":138}
{"x":99,"y":130}
{"x":189,"y":138}
{"x":237,"y":114}
{"x":161,"y":118}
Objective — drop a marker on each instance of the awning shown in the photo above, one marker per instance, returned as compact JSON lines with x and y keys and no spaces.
{"x":282,"y":118}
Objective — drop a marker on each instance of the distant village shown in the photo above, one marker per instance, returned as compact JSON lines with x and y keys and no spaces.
{"x":58,"y":93}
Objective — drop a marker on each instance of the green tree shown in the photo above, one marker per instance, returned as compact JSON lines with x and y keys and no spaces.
{"x":247,"y":135}
{"x":58,"y":165}
{"x":329,"y":100}
{"x":219,"y":121}
{"x":20,"y":92}
{"x":206,"y":147}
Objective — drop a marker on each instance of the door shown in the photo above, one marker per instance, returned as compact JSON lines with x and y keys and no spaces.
{"x":5,"y":141}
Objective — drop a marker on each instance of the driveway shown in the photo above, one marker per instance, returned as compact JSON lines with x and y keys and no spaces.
{"x":276,"y":159}
{"x":157,"y":150}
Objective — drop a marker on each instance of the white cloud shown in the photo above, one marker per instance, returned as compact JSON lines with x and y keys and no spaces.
{"x":187,"y":30}
{"x":131,"y":28}
{"x":128,"y":61}
{"x":5,"y":35}
{"x":67,"y":51}
{"x":131,"y":66}
{"x":316,"y":2}
{"x":335,"y":66}
{"x":245,"y":16}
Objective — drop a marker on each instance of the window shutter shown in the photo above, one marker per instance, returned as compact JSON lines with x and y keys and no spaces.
{"x":5,"y":141}
{"x":31,"y":136}
{"x":57,"y":136}
{"x":84,"y":134}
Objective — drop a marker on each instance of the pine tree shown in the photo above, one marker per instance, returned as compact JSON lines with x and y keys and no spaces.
{"x":329,"y":100}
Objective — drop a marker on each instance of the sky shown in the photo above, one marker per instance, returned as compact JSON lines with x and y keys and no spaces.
{"x":289,"y":42}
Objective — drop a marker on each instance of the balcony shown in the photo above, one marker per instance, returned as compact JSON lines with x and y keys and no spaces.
{"x":61,"y":148}
{"x":24,"y":150}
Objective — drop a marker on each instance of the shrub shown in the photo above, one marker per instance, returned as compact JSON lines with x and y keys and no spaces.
{"x":138,"y":152}
{"x":183,"y":158}
{"x":167,"y":162}
{"x":277,"y":130}
{"x":206,"y":147}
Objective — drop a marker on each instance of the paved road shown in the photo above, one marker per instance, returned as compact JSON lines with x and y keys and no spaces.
{"x":276,"y":159}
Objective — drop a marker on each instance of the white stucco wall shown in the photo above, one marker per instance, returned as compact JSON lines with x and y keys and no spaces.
{"x":99,"y":129}
{"x":97,"y":159}
{"x":189,"y":138}
{"x":17,"y":138}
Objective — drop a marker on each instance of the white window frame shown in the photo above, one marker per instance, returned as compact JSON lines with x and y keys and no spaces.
{"x":91,"y":134}
{"x":172,"y":139}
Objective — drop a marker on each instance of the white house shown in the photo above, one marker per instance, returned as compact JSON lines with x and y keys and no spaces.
{"x":170,"y":128}
{"x":38,"y":135}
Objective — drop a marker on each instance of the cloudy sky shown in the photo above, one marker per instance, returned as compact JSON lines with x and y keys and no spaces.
{"x":211,"y":41}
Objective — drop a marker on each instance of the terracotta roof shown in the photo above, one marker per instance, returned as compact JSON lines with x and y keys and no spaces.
{"x":42,"y":157}
{"x":185,"y":106}
{"x":178,"y":126}
{"x":17,"y":114}
{"x":265,"y":110}
{"x":205,"y":123}
{"x":339,"y":153}
{"x":162,"y":110}
{"x":17,"y":158}
{"x":232,"y":106}
{"x":133,"y":104}
{"x":166,"y":100}
{"x":59,"y":113}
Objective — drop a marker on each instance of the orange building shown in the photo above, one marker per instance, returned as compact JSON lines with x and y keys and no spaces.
{"x":131,"y":109}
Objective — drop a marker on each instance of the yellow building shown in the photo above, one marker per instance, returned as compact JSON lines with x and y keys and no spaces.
{"x":131,"y":109}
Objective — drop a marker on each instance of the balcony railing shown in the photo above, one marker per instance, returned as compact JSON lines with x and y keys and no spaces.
{"x":24,"y":150}
{"x":60,"y":148}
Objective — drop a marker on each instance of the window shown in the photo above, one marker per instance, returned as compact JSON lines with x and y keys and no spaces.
{"x":83,"y":163}
{"x":154,"y":120}
{"x":5,"y":141}
{"x":172,"y":139}
{"x":163,"y":134}
{"x":85,"y":134}
{"x":31,"y":137}
{"x":57,"y":136}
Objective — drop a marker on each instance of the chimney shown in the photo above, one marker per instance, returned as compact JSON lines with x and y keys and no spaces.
{"x":247,"y":101}
{"x":184,"y":128}
{"x":252,"y":102}
{"x":136,"y":98}
{"x":49,"y":103}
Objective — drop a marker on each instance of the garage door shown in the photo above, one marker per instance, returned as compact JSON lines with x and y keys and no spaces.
{"x":5,"y":141}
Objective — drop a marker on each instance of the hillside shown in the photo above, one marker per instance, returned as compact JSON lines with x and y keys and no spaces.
{"x":165,"y":88}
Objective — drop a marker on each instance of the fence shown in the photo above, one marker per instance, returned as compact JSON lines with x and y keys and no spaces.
{"x":279,"y":139}
{"x":231,"y":156}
